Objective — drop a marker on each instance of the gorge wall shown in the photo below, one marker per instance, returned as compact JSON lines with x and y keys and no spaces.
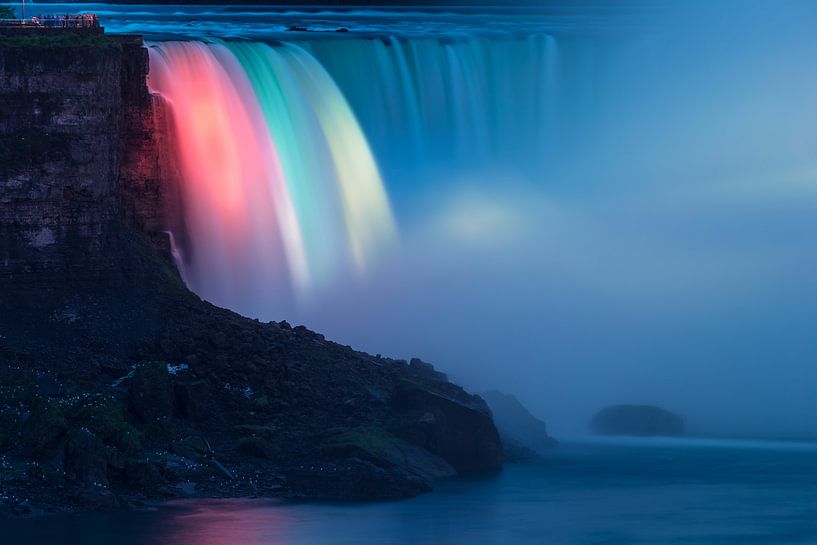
{"x":79,"y":159}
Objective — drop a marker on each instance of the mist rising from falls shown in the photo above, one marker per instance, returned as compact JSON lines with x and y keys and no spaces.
{"x":279,"y":188}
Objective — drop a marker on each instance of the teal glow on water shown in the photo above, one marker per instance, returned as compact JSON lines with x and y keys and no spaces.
{"x":651,"y":493}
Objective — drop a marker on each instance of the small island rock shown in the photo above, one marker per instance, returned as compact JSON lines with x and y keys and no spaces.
{"x":637,"y":420}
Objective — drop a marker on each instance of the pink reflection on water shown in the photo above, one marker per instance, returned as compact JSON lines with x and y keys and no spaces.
{"x":226,"y":522}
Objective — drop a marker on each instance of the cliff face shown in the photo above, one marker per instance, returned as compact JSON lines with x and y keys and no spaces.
{"x":118,"y":384}
{"x":149,"y":179}
{"x":81,"y":156}
{"x":59,"y":162}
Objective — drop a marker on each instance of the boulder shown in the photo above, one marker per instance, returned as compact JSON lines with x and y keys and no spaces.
{"x":463,"y":434}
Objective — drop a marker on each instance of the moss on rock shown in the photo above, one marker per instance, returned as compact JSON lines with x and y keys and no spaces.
{"x":45,"y":426}
{"x":105,"y":417}
{"x":151,"y":395}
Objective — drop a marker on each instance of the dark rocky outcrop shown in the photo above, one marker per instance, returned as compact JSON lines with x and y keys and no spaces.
{"x":441,"y":418}
{"x":639,"y":420}
{"x":118,"y":385}
{"x":59,"y":151}
{"x":523,"y":435}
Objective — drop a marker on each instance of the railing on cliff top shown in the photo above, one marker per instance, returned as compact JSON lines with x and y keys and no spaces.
{"x":87,"y":21}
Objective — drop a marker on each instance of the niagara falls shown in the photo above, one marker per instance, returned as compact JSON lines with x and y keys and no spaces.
{"x":415,"y":272}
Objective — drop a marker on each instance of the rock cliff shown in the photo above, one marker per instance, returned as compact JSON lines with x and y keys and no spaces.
{"x":59,"y":156}
{"x":119,"y":386}
{"x":523,"y":435}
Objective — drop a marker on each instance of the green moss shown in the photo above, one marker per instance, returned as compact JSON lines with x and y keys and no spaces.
{"x":372,"y":440}
{"x":44,"y":427}
{"x":150,"y":393}
{"x":105,"y":417}
{"x":47,"y":40}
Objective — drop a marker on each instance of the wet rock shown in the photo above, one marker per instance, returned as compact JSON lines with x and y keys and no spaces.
{"x":25,"y":509}
{"x":384,"y":449}
{"x":353,"y":480}
{"x":142,"y":474}
{"x":98,"y":498}
{"x":463,"y":434}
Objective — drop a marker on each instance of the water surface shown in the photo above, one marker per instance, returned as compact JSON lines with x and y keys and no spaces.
{"x":630,"y":492}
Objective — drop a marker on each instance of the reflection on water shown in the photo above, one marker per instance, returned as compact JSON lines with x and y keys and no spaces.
{"x":239,"y":522}
{"x":651,"y":493}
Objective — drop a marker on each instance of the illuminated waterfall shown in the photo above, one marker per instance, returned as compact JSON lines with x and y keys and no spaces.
{"x":279,"y":188}
{"x":281,"y":192}
{"x":455,"y":102}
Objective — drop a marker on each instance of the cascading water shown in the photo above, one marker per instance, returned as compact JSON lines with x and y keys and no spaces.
{"x":461,"y":100}
{"x":278,"y":182}
{"x":281,"y":192}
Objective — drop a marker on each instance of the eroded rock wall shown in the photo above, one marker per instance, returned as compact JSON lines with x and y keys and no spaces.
{"x":60,"y":119}
{"x":84,"y":155}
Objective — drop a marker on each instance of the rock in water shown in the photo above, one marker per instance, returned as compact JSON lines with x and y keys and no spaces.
{"x":638,"y":420}
{"x":523,"y":435}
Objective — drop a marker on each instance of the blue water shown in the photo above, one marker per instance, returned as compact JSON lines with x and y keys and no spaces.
{"x":264,"y":22}
{"x":630,"y":492}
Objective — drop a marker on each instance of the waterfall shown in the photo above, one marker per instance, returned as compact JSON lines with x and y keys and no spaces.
{"x":279,"y":187}
{"x":460,"y":102}
{"x":281,"y":191}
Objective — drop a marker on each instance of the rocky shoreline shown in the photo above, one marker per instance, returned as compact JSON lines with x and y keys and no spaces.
{"x":114,"y":397}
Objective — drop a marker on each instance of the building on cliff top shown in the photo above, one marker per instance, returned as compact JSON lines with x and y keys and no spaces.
{"x":85,"y":23}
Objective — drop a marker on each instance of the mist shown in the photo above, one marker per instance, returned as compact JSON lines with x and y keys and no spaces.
{"x":663,"y":255}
